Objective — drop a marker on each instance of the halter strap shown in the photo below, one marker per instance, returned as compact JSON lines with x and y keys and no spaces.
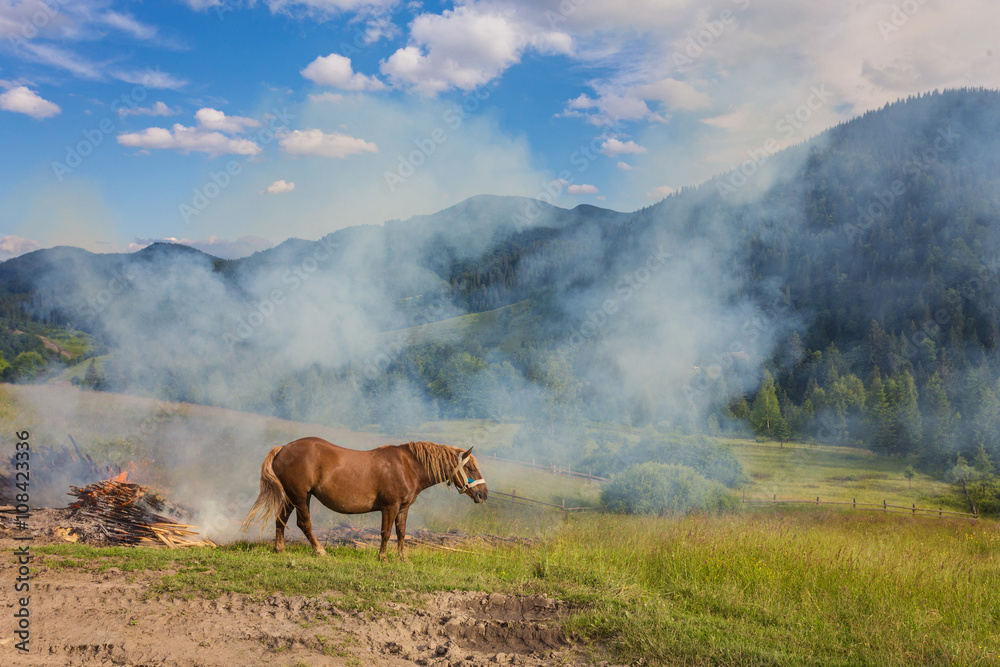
{"x":462,"y":460}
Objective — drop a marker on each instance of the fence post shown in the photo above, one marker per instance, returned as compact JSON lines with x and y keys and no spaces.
{"x":855,"y":501}
{"x":914,"y":508}
{"x":776,"y":497}
{"x":817,"y":500}
{"x":884,"y":508}
{"x":564,"y":505}
{"x":940,"y":513}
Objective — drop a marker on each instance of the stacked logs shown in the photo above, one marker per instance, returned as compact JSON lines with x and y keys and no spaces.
{"x":123,"y":512}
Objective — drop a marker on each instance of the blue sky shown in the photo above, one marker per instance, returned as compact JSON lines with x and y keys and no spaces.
{"x":234,"y":124}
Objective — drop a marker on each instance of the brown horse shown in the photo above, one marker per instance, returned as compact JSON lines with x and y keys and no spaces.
{"x":387,"y":480}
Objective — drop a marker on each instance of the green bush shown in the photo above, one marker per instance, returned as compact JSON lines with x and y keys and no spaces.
{"x":708,"y":456}
{"x":659,"y":488}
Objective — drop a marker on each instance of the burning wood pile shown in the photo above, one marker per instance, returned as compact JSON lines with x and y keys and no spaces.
{"x":127,"y":514}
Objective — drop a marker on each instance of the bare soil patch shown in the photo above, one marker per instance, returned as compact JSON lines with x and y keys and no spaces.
{"x":112,"y":618}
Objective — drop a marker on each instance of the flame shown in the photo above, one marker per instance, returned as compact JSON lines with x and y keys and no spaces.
{"x":122,"y":477}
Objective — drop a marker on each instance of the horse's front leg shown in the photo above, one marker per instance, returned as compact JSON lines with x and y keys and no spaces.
{"x":388,"y":517}
{"x":401,"y":532}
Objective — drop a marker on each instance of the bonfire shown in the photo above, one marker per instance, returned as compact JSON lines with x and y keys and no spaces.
{"x":128,"y":514}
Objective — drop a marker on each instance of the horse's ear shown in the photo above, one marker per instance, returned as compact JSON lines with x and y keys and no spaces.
{"x":468,"y":452}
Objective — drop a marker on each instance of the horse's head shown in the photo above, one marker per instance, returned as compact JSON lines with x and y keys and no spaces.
{"x":467,"y":477}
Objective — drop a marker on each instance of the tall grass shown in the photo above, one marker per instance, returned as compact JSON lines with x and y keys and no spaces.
{"x":823,"y":587}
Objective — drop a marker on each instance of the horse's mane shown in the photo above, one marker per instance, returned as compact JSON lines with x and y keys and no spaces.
{"x":438,"y":460}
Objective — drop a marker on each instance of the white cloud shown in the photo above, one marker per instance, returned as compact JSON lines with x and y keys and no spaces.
{"x":316,"y":142}
{"x":21,"y":99}
{"x":201,"y":5}
{"x":215,"y":120}
{"x":625,"y":166}
{"x":740,"y":118}
{"x":278,"y":188}
{"x":188,"y":139}
{"x":466,"y":48}
{"x":210,"y":136}
{"x":150,"y":78}
{"x":613,"y":147}
{"x":332,"y":98}
{"x":62,"y":59}
{"x":661,"y":192}
{"x":158,"y":109}
{"x":335,"y":70}
{"x":128,"y":24}
{"x":674,"y":94}
{"x":322,"y":8}
{"x":14,"y":246}
{"x":582,"y":189}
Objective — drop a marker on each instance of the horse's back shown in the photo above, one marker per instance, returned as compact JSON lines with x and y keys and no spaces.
{"x":345,"y":480}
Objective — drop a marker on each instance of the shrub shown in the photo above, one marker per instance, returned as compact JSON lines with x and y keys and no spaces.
{"x":659,"y":488}
{"x":707,"y":456}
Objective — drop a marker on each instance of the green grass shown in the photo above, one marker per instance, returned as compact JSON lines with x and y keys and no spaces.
{"x":74,"y":342}
{"x":803,"y":472}
{"x":818,"y":587}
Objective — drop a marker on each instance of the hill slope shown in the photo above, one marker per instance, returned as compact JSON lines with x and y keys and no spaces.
{"x":857,"y":268}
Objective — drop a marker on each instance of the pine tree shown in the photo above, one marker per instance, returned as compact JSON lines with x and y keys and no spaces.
{"x":765,"y":415}
{"x":939,"y":420}
{"x":91,"y":378}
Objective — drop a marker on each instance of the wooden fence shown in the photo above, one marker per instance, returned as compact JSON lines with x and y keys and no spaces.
{"x":515,"y":499}
{"x":552,"y":468}
{"x":854,"y":504}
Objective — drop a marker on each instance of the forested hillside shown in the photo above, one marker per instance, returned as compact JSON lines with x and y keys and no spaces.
{"x":845,"y":289}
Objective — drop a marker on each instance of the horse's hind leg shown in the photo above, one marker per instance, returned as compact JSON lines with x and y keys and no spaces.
{"x":305,"y":525}
{"x":279,"y":528}
{"x":388,"y":518}
{"x":401,"y":531}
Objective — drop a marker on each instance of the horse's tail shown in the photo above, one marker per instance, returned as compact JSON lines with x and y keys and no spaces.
{"x":272,"y":499}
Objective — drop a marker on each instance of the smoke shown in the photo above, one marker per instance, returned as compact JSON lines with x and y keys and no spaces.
{"x":576,"y":310}
{"x":510,"y":310}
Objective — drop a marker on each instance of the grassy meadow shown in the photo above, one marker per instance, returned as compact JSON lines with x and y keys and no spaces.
{"x":788,"y":585}
{"x":818,"y":587}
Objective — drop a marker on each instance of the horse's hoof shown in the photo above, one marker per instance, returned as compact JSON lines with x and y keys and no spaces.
{"x":321,"y":551}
